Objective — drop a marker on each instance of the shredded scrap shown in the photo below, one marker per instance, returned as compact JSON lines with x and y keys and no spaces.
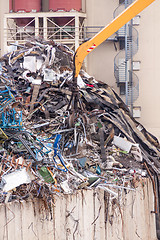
{"x":50,"y":144}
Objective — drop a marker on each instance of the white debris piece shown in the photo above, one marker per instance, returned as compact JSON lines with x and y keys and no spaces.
{"x":15,"y":179}
{"x":122,"y":143}
{"x":80,"y":82}
{"x":26,"y":77}
{"x":64,"y":185}
{"x":37,"y":81}
{"x":39,"y":63}
{"x":127,"y":146}
{"x":50,"y":75}
{"x":30,"y":63}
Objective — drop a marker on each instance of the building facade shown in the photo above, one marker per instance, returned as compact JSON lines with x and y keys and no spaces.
{"x":128,"y":61}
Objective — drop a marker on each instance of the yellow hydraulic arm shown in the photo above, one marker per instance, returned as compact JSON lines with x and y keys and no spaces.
{"x":135,"y":8}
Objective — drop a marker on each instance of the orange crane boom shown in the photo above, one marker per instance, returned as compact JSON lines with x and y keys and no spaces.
{"x":135,"y":8}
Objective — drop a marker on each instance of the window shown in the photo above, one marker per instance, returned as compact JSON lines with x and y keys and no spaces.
{"x":122,"y":88}
{"x":121,"y":43}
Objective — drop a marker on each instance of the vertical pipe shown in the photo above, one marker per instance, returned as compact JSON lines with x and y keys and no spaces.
{"x":36,"y":27}
{"x":76,"y":32}
{"x":45,"y":5}
{"x":126,"y":62}
{"x":13,"y":5}
{"x":45,"y":28}
{"x":131,"y":34}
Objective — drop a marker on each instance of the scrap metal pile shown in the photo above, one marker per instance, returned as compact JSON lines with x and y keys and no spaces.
{"x":50,"y":147}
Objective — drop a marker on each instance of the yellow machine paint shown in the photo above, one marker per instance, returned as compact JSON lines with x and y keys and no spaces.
{"x":135,"y":8}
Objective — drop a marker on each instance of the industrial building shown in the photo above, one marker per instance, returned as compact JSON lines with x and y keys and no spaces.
{"x":128,"y":61}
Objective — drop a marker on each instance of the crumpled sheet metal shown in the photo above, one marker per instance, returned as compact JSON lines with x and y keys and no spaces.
{"x":64,"y":150}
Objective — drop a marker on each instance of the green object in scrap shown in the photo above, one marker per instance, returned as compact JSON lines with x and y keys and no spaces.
{"x":46,"y":174}
{"x":99,"y":125}
{"x":91,"y":180}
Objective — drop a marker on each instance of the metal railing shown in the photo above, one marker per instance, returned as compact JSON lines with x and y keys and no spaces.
{"x":20,"y":33}
{"x":124,"y":55}
{"x":123,"y":60}
{"x":133,"y":88}
{"x":91,"y":31}
{"x":44,"y":27}
{"x":61,"y":34}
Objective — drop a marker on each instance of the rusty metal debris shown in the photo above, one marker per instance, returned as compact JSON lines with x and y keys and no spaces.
{"x":54,"y":147}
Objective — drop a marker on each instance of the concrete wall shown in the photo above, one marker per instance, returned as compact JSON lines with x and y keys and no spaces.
{"x":87,"y":215}
{"x":149,"y":74}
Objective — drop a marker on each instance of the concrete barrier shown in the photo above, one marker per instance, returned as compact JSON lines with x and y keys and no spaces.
{"x":85,"y":215}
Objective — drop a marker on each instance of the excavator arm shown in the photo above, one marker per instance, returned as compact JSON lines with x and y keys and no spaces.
{"x":135,"y":8}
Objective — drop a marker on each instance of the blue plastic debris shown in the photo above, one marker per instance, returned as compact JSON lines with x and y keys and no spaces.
{"x":58,"y":153}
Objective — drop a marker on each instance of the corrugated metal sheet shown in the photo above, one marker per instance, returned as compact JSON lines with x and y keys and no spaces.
{"x":87,"y":215}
